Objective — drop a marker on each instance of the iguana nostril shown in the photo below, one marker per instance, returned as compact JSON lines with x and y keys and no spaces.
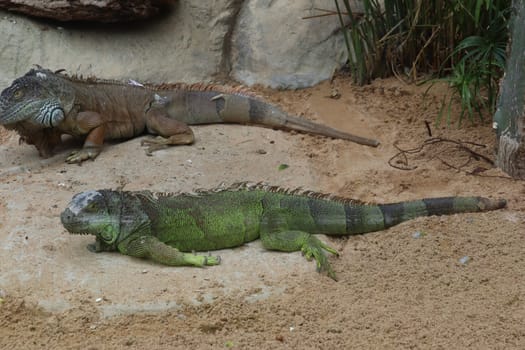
{"x":66,"y":216}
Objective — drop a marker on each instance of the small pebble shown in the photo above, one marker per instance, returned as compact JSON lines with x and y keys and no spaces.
{"x":464,"y":260}
{"x":417,"y":234}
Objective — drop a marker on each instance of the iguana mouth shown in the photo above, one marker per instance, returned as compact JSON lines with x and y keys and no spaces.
{"x":68,"y":220}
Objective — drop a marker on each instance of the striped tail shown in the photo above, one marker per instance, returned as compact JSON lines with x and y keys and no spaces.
{"x":207,"y":107}
{"x":266,"y":114}
{"x":369,"y":218}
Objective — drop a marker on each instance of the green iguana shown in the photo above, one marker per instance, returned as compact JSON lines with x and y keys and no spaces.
{"x":42,"y":105}
{"x":163,"y":226}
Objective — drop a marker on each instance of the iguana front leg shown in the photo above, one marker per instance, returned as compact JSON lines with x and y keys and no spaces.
{"x":276,"y":236}
{"x":92,"y":124}
{"x":151,"y":247}
{"x":171,"y":131}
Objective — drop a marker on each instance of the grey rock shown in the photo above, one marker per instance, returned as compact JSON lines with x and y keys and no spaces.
{"x":253,"y":41}
{"x":184,"y":45}
{"x":273,"y":45}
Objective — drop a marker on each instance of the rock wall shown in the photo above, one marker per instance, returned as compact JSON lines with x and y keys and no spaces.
{"x":253,"y":41}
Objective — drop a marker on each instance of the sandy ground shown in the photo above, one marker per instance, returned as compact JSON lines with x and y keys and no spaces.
{"x":456,"y":284}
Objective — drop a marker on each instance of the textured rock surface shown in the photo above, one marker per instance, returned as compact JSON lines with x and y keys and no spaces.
{"x":273,"y":45}
{"x":185,"y":44}
{"x":253,"y":41}
{"x":86,"y":10}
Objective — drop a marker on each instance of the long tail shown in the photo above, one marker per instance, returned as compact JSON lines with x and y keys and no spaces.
{"x":206,"y":107}
{"x":368,"y":218}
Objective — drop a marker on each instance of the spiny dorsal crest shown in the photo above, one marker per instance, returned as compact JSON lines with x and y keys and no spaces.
{"x":225,"y":89}
{"x":259,"y":186}
{"x":201,"y":86}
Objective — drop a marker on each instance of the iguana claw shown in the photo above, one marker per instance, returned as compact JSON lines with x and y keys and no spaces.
{"x":153,"y":145}
{"x":212,"y":260}
{"x":314,"y":248}
{"x":92,"y":247}
{"x":159,"y":142}
{"x":83,"y":154}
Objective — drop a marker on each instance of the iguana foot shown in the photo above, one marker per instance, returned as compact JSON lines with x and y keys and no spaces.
{"x":92,"y":247}
{"x":202,"y":260}
{"x":83,"y":154}
{"x":212,"y":260}
{"x":314,"y":248}
{"x":159,"y":142}
{"x":153,"y":146}
{"x":98,"y":246}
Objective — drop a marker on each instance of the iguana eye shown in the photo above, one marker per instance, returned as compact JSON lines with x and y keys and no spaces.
{"x":92,"y":207}
{"x":18,"y":94}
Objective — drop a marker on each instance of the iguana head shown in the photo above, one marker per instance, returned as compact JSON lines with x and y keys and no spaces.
{"x":112,"y":216}
{"x":91,"y":213}
{"x":40,"y":97}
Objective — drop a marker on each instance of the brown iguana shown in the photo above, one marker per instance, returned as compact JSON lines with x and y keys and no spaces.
{"x":162,"y":226}
{"x":42,"y":105}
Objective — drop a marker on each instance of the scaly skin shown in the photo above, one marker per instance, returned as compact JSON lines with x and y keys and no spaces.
{"x":163,"y":226}
{"x":54,"y":104}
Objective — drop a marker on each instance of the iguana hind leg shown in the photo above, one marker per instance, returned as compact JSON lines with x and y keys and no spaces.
{"x":276,"y":236}
{"x":172,"y":132}
{"x":151,"y":247}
